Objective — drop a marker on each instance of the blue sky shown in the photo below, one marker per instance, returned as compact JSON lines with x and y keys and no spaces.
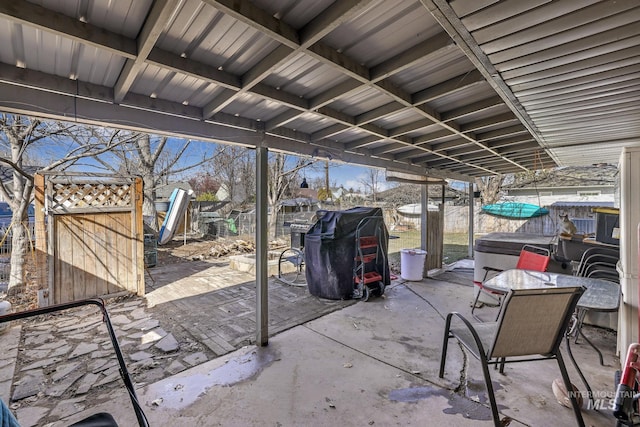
{"x":349,"y":176}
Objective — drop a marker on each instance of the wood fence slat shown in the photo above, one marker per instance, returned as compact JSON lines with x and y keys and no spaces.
{"x":89,"y":232}
{"x":101,"y":271}
{"x":95,"y":238}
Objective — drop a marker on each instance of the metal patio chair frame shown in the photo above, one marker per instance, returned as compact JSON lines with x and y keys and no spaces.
{"x":531,"y":257}
{"x":101,"y":419}
{"x":596,"y":263}
{"x":530,"y":327}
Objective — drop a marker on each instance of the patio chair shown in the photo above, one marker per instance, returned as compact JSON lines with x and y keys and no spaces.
{"x":101,"y":419}
{"x":531,"y":258}
{"x":596,"y":263}
{"x":598,"y":260}
{"x":531,"y":327}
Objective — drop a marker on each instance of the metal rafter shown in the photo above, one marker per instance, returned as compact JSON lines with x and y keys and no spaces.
{"x":308,"y":41}
{"x":288,"y":36}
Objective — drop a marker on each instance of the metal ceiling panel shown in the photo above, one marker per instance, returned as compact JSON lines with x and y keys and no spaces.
{"x":461,"y":97}
{"x":309,"y":123}
{"x":574,"y":156}
{"x":572,"y":65}
{"x":119,"y":16}
{"x":157,"y":82}
{"x":304,"y":76}
{"x":455,"y":89}
{"x":440,"y":67}
{"x":384,"y":30}
{"x":360,"y":101}
{"x":403,"y":119}
{"x":296,"y":13}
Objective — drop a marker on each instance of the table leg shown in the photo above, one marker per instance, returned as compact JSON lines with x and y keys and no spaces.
{"x":577,"y":331}
{"x":593,"y":346}
{"x":575,"y":364}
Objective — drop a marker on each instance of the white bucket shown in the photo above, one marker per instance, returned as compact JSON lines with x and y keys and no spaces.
{"x":412,"y":263}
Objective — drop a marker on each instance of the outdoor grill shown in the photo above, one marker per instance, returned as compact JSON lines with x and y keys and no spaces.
{"x":331,"y":256}
{"x":298,"y":231}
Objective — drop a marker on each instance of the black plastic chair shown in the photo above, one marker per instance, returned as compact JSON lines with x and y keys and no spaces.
{"x":531,"y":327}
{"x":101,"y":419}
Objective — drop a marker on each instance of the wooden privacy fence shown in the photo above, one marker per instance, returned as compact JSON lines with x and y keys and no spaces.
{"x":435,"y":239}
{"x":89,"y":235}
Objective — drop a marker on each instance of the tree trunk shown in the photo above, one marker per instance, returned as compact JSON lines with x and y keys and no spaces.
{"x":490,"y":188}
{"x":149,"y":210}
{"x":149,"y":204}
{"x":272,"y":221}
{"x":19,"y":245}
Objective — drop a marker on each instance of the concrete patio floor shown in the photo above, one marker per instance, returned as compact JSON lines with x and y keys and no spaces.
{"x":370,"y":363}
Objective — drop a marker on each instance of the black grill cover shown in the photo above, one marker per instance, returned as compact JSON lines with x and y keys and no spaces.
{"x":330,"y":249}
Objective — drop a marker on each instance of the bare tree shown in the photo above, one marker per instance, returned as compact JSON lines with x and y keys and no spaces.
{"x":234,"y":167}
{"x":150,"y":158}
{"x":283,"y":174}
{"x":490,"y":187}
{"x":18,"y":136}
{"x":371,"y":182}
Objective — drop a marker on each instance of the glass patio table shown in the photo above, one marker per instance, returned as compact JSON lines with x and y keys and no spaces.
{"x":600,"y":295}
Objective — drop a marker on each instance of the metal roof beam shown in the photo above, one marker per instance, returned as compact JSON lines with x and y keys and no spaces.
{"x":359,"y":143}
{"x":421,"y":52}
{"x":329,"y":131}
{"x":478,"y":125}
{"x":294,"y":42}
{"x":388,"y":148}
{"x":402,"y":130}
{"x":340,"y":90}
{"x":475,"y":107}
{"x":281,"y":119}
{"x":430,"y":137}
{"x":167,"y":60}
{"x":501,"y":133}
{"x":445,"y":15}
{"x":380,"y":112}
{"x":159,"y":15}
{"x":44,"y":19}
{"x":464,"y":81}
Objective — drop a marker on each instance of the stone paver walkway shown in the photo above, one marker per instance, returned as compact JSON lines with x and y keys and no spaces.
{"x":60,"y":364}
{"x":216,"y":304}
{"x":66,"y":361}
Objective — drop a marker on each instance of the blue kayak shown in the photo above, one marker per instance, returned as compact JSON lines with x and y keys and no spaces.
{"x":515,"y":210}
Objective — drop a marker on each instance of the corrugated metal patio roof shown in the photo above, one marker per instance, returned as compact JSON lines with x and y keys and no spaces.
{"x":449,"y":89}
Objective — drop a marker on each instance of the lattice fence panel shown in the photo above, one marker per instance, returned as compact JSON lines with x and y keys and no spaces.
{"x":92,"y":245}
{"x":68,"y":196}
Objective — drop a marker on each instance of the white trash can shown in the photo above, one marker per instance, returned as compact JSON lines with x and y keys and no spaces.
{"x":412,"y":263}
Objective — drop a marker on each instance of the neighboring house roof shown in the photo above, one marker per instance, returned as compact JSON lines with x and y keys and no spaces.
{"x":163,"y":192}
{"x":300,"y":201}
{"x":588,"y":204}
{"x":6,"y":173}
{"x":238,"y":197}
